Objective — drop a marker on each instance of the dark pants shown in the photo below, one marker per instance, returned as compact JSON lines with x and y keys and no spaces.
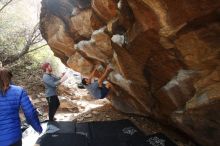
{"x":104,"y":91}
{"x":53,"y":103}
{"x":18,"y":143}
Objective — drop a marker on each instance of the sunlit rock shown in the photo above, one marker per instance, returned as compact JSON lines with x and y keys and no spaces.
{"x":118,"y":39}
{"x":58,"y":39}
{"x":173,"y":15}
{"x":79,"y":64}
{"x":164,"y":55}
{"x":81,"y":24}
{"x":105,"y":9}
{"x":98,"y":47}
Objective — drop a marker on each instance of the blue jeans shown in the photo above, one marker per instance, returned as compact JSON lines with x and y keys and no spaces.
{"x":104,"y":91}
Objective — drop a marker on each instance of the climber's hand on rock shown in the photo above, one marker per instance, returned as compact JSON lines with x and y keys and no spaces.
{"x":63,"y":74}
{"x":109,"y":68}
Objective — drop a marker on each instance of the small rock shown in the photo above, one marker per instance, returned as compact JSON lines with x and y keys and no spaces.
{"x":88,"y":116}
{"x":80,"y":119}
{"x":95,"y":112}
{"x":35,"y":101}
{"x":109,"y":119}
{"x":44,"y":99}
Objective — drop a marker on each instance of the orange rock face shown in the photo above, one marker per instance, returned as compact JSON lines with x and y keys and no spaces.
{"x":165,"y":55}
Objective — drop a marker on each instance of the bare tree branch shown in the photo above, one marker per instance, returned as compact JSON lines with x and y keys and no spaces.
{"x":32,"y":38}
{"x":37,"y":48}
{"x":5,"y":5}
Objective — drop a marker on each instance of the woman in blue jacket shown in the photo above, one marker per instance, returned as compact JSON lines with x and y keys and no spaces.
{"x":11,"y":99}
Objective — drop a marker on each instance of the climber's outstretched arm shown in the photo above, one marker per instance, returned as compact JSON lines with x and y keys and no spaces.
{"x":104,"y":76}
{"x":92,"y":74}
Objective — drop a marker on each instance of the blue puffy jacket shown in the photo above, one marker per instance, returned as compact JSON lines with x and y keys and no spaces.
{"x":10,"y":103}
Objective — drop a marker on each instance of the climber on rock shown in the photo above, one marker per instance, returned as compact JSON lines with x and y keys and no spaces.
{"x":98,"y":89}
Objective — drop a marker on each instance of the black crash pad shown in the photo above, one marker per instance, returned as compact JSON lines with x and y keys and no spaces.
{"x":63,"y":139}
{"x":108,"y":133}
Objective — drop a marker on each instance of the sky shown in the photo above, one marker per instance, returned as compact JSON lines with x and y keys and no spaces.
{"x":26,"y":11}
{"x":22,"y":14}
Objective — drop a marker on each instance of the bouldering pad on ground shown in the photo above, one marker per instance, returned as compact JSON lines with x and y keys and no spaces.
{"x":108,"y":133}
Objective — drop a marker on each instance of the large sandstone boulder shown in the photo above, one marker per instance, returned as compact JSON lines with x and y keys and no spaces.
{"x":165,"y":55}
